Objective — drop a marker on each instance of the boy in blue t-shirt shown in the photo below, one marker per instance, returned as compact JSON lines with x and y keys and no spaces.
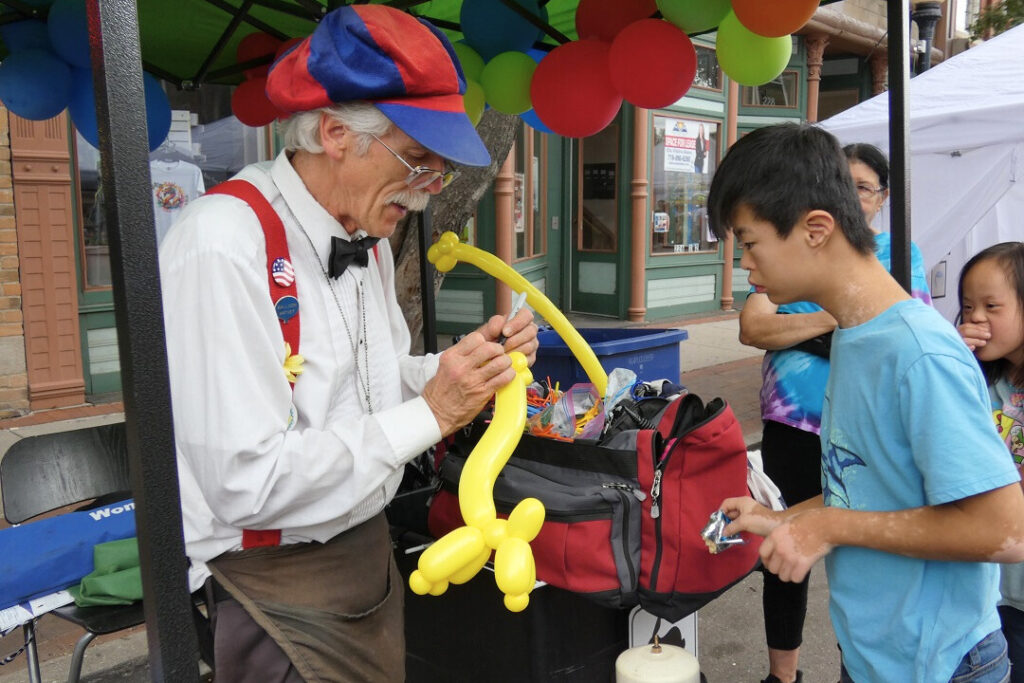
{"x":919,"y":495}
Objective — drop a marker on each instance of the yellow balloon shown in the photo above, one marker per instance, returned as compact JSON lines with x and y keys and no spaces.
{"x":452,"y":552}
{"x":517,"y":603}
{"x":471,"y":569}
{"x":495,"y":532}
{"x":526,"y":519}
{"x":418,"y":583}
{"x":448,"y":251}
{"x":513,"y":567}
{"x":476,"y":486}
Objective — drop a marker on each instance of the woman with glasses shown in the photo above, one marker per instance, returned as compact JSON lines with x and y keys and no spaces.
{"x":796,"y":338}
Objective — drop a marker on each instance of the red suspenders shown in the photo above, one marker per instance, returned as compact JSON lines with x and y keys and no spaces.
{"x":281,"y":283}
{"x":277,"y":250}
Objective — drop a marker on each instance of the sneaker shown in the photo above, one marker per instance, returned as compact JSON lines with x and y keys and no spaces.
{"x":772,"y":678}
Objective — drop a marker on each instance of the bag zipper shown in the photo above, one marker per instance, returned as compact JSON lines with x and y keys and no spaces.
{"x":660,"y":463}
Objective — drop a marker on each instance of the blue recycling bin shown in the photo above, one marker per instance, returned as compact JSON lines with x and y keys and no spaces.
{"x":650,"y":353}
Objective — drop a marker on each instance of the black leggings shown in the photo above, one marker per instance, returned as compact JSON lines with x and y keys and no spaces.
{"x":792,"y":459}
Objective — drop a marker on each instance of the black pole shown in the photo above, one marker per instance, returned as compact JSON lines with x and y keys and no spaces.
{"x":899,"y":139}
{"x":427,"y":285}
{"x":926,"y":15}
{"x":124,"y":170}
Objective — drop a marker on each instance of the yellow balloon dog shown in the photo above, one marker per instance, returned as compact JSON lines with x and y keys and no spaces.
{"x":447,"y":251}
{"x":461,"y":553}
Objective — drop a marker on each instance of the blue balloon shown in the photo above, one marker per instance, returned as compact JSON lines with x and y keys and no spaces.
{"x":69,"y":32}
{"x":491,"y":28}
{"x":82,"y":109}
{"x":536,"y":54}
{"x":158,"y":111}
{"x":35,"y":84}
{"x":531,"y":119}
{"x":25,"y":35}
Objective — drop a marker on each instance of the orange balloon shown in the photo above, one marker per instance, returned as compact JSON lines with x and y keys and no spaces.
{"x":774,"y":19}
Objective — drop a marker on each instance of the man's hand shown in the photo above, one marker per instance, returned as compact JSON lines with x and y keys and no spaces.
{"x":974,"y":335}
{"x":468,"y":375}
{"x":520,"y":333}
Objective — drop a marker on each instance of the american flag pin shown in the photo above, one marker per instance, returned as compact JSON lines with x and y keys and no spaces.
{"x":282,"y":271}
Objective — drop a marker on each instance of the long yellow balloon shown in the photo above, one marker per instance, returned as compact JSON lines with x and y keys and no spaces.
{"x":448,"y":251}
{"x":462,"y":552}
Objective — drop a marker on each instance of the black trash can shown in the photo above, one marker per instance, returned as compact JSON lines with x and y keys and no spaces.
{"x":468,"y":635}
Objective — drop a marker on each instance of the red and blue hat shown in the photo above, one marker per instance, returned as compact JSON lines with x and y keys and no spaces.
{"x":402,"y":65}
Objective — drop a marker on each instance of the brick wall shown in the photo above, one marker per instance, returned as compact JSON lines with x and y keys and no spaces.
{"x":13,"y":370}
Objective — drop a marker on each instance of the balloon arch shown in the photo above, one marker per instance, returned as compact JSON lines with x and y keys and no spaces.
{"x":639,"y":52}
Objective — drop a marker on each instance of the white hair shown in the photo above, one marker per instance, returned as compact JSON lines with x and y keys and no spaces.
{"x":302,"y":130}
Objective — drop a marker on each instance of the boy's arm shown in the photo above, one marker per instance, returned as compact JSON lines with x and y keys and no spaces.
{"x":988,"y":527}
{"x":762,"y":326}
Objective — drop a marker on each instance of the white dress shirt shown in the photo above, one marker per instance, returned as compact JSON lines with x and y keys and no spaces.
{"x":251,"y":453}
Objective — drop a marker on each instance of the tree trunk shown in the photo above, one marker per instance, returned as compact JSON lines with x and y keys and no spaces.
{"x":450,"y":210}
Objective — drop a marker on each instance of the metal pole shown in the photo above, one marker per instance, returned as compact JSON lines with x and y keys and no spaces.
{"x":124,"y":169}
{"x":427,"y":285}
{"x":899,"y":139}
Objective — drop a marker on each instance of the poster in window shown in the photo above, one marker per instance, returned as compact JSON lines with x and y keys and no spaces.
{"x":686,"y":146}
{"x":518,"y":210}
{"x":599,"y":181}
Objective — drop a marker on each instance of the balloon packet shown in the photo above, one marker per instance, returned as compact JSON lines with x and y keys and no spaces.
{"x":714,"y":533}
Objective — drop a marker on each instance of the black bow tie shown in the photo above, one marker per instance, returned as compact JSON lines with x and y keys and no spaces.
{"x":344,"y":252}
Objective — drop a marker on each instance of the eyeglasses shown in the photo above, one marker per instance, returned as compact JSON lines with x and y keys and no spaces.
{"x":422,"y":176}
{"x":867,"y":192}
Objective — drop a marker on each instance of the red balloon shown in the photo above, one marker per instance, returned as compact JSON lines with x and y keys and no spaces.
{"x":250,"y":105}
{"x":285,"y":46}
{"x":603,"y":19}
{"x":253,"y":46}
{"x":774,"y":19}
{"x":572,"y":91}
{"x":652,"y":63}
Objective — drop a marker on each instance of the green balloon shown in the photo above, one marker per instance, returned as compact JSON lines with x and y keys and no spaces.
{"x":747,"y":58}
{"x":694,"y":16}
{"x":474,"y":102}
{"x":506,"y":81}
{"x":470,"y":60}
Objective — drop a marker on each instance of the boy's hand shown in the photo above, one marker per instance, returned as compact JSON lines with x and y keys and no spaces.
{"x":974,"y":335}
{"x":792,"y":548}
{"x":748,"y":515}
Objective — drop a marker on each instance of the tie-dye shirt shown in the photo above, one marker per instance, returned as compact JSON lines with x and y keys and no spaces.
{"x":793,"y":382}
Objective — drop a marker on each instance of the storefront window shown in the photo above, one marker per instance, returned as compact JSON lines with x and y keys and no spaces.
{"x":685,"y":156}
{"x":205,"y":146}
{"x":708,"y":74}
{"x":598,"y":220}
{"x":781,"y":92}
{"x":528,"y":217}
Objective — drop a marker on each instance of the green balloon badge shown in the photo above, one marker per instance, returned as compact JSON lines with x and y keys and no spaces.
{"x":747,"y":58}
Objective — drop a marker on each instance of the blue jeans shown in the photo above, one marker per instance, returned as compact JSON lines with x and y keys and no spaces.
{"x":986,"y":662}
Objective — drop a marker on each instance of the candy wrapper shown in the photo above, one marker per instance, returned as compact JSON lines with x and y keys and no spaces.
{"x":713,"y":533}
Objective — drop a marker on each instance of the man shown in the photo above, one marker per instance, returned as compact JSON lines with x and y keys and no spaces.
{"x":919,"y":494}
{"x":296,"y":402}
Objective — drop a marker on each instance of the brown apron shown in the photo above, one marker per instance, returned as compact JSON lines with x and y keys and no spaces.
{"x":334,"y":608}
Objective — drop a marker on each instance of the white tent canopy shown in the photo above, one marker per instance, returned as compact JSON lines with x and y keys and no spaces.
{"x":966,"y":155}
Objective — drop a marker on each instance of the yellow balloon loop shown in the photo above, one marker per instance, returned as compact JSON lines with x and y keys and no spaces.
{"x":447,"y":251}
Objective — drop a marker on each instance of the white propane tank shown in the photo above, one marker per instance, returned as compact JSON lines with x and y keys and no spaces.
{"x":656,"y":663}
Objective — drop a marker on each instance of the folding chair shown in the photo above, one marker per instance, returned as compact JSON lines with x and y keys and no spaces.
{"x":43,"y":473}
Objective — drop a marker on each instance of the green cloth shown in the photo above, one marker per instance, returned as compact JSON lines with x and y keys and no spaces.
{"x":115,"y":578}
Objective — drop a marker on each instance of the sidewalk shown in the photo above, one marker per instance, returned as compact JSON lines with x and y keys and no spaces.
{"x":731,"y":636}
